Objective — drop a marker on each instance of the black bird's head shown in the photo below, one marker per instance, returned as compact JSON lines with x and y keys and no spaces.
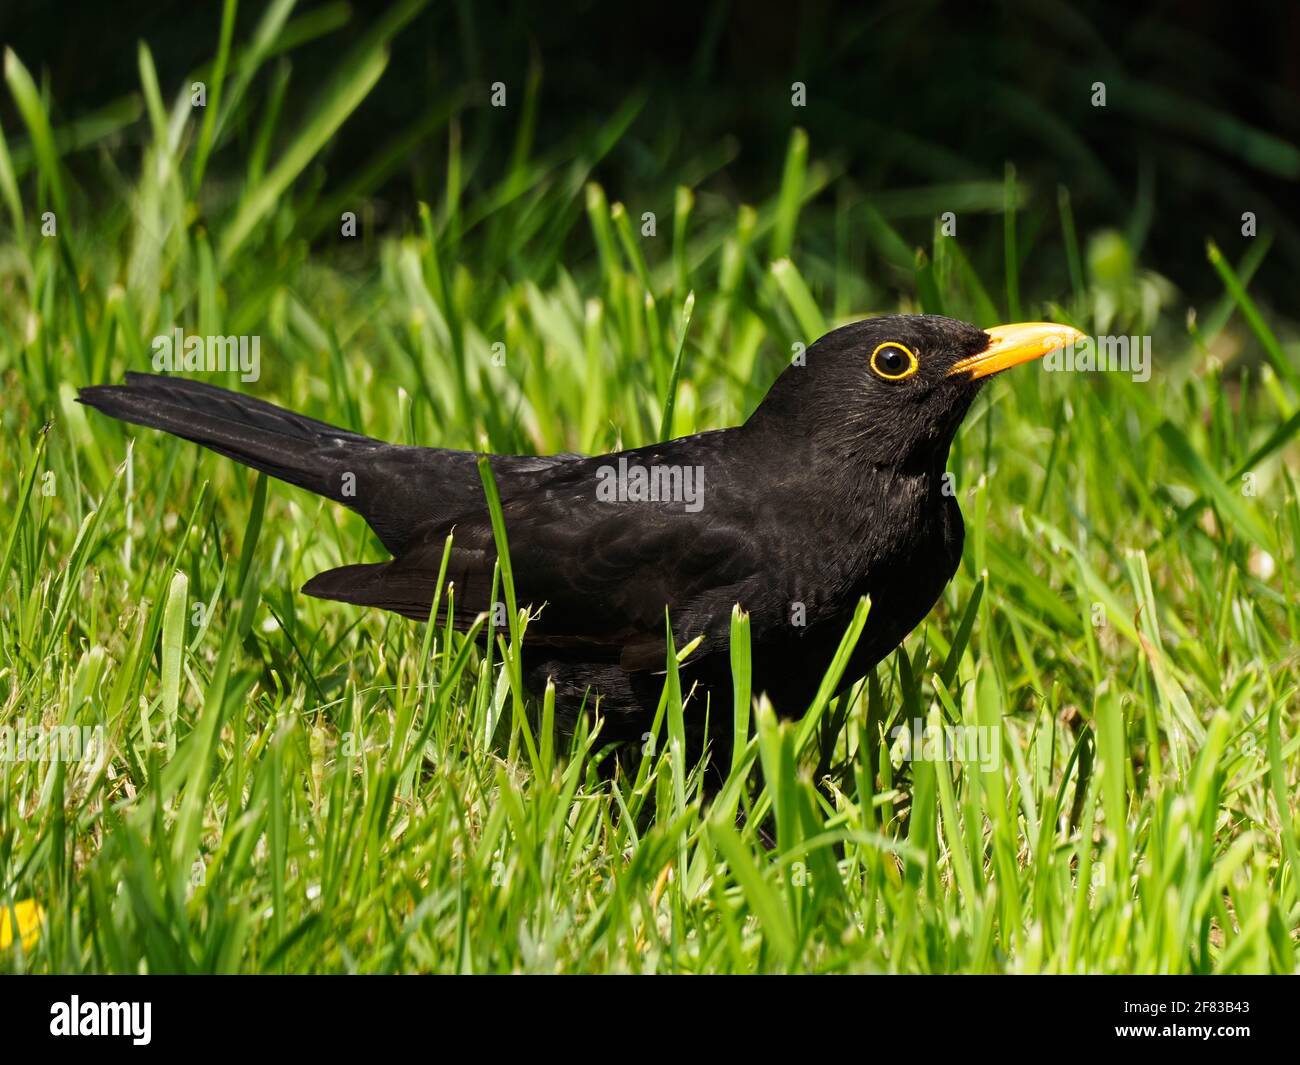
{"x":891,"y":391}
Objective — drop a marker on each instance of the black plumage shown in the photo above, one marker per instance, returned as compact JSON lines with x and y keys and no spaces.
{"x":833,"y":489}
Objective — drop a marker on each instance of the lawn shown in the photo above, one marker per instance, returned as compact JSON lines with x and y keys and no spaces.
{"x":271,"y":783}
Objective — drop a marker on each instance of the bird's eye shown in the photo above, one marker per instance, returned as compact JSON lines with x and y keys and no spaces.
{"x":893,"y":362}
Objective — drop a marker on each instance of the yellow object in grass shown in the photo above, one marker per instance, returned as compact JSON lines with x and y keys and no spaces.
{"x":28,"y":916}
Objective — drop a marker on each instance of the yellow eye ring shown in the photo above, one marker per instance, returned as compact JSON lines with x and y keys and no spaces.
{"x":912,"y":367}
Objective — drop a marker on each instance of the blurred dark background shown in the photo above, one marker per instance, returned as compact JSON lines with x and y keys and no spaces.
{"x":1202,"y":119}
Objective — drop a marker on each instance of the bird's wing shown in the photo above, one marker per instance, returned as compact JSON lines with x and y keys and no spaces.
{"x":598,"y":574}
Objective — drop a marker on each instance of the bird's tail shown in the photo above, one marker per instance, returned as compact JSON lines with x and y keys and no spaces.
{"x":314,"y":455}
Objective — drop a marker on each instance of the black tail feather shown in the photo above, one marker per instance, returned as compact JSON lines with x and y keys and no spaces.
{"x":285,"y":445}
{"x":403,"y":492}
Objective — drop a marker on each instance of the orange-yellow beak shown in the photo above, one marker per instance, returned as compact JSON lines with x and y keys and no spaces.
{"x":1013,"y":344}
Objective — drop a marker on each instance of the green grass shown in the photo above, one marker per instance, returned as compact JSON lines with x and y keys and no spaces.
{"x":290,"y":785}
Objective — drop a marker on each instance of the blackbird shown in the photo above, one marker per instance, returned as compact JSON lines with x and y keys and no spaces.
{"x":833,"y":489}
